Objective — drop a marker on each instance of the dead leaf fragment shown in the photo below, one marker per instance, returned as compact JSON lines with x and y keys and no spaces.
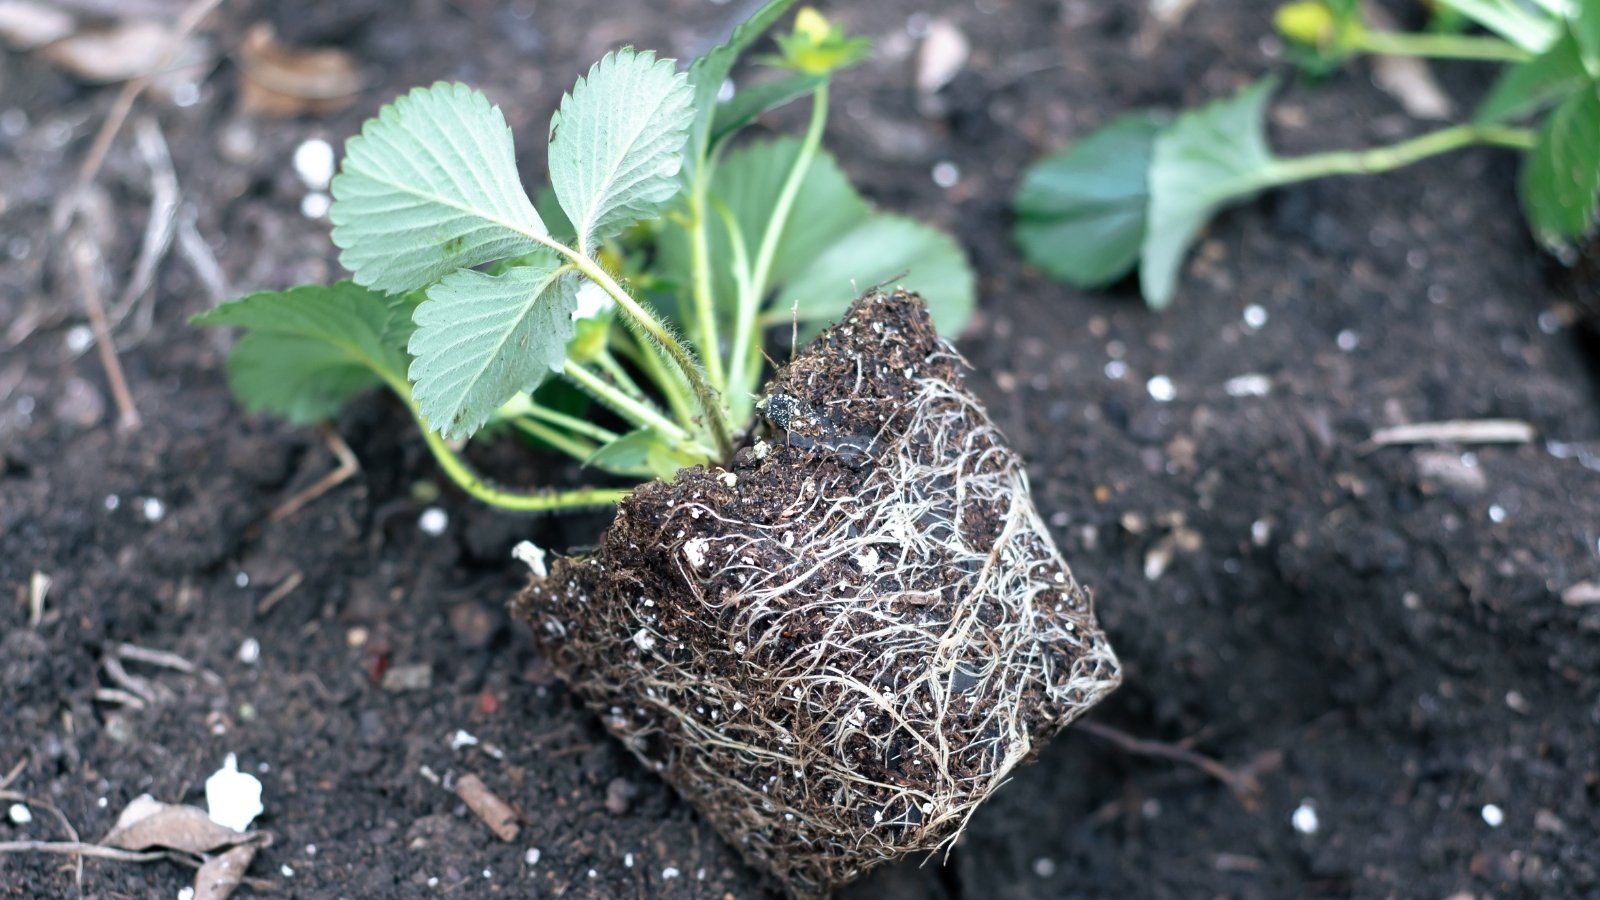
{"x":148,"y":823}
{"x":221,"y":874}
{"x":131,"y":50}
{"x":27,"y":25}
{"x":279,"y":80}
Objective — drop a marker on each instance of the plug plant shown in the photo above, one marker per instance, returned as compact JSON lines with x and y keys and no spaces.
{"x":1140,"y":190}
{"x":618,"y":319}
{"x":835,"y":621}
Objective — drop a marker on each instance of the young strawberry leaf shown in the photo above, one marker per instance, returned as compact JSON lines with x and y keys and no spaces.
{"x":482,"y":338}
{"x":1081,"y":212}
{"x":1532,"y":86}
{"x":885,"y":249}
{"x":309,"y":349}
{"x":617,"y":142}
{"x":708,"y":73}
{"x":428,"y":187}
{"x":1210,"y":157}
{"x":827,"y":205}
{"x":1562,"y":173}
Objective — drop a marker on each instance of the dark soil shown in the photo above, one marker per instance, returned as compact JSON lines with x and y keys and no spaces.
{"x":1379,"y":632}
{"x":831,"y":691}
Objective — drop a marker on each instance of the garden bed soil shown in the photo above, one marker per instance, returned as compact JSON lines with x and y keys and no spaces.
{"x":1393,"y":641}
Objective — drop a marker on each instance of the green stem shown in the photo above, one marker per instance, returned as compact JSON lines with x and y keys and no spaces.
{"x":671,"y":382}
{"x":1439,"y":46}
{"x":1385,"y":159}
{"x":745,"y":338}
{"x":739,"y":392}
{"x":610,"y":366}
{"x":700,"y":265}
{"x":515,"y":501}
{"x":474,"y":484}
{"x":715,"y":417}
{"x":635,"y":411}
{"x":575,"y":447}
{"x":573,"y":424}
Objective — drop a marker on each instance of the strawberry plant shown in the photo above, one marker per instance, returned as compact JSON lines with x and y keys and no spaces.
{"x":836,"y":626}
{"x":1140,"y":190}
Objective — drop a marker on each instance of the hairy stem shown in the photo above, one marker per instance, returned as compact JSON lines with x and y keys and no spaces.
{"x":1439,"y":46}
{"x":637,"y":412}
{"x":1395,"y":156}
{"x":480,"y":489}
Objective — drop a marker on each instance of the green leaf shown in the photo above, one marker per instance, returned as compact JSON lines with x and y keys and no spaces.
{"x":1531,"y":30}
{"x":1562,"y":173}
{"x":752,"y":101}
{"x":1081,"y":212}
{"x":1210,"y":157}
{"x":641,"y":453}
{"x":555,"y":218}
{"x":301,"y":379}
{"x":310,"y":348}
{"x":885,"y":249}
{"x":617,"y":141}
{"x":749,"y":181}
{"x":428,"y":187}
{"x":481,"y":338}
{"x":1529,"y":87}
{"x":1583,"y":22}
{"x":707,"y":74}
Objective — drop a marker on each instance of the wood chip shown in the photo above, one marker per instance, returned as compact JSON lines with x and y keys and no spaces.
{"x":1584,"y":593}
{"x":484,"y":803}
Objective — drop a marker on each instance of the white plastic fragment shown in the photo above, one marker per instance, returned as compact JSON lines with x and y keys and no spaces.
{"x":532,"y":556}
{"x":463,"y":738}
{"x":20,"y":814}
{"x":1161,"y":388}
{"x":1255,"y":316}
{"x":1493,"y":816}
{"x":154,"y":510}
{"x":669,"y":873}
{"x":532,"y":856}
{"x":233,"y":798}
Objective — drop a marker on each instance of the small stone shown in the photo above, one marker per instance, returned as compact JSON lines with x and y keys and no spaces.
{"x":473,"y":624}
{"x":1253,"y":384}
{"x":1255,"y":316}
{"x":154,"y":510}
{"x":462,"y":738}
{"x":1044,"y":867}
{"x":314,"y":163}
{"x":670,"y":873}
{"x":1493,"y":816}
{"x":1348,"y":340}
{"x":20,"y":814}
{"x":414,"y":677}
{"x":619,"y":796}
{"x":944,"y":51}
{"x":1304,"y":819}
{"x":532,"y":856}
{"x":249,"y":651}
{"x":946,"y":174}
{"x":1161,"y":389}
{"x":433,"y":521}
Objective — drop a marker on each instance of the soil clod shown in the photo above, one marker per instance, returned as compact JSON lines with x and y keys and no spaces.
{"x":843,"y":650}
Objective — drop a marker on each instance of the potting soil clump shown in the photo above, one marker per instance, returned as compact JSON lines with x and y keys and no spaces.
{"x":839,"y":646}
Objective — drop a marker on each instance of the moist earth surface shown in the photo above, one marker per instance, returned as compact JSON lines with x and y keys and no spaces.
{"x":1388,"y":647}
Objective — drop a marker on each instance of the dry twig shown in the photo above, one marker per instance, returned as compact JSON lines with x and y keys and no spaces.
{"x":69,"y":205}
{"x":160,"y":228}
{"x":284,"y":589}
{"x":1455,"y":431}
{"x":487,"y":805}
{"x":1243,"y":783}
{"x":348,"y":466}
{"x":127,"y":412}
